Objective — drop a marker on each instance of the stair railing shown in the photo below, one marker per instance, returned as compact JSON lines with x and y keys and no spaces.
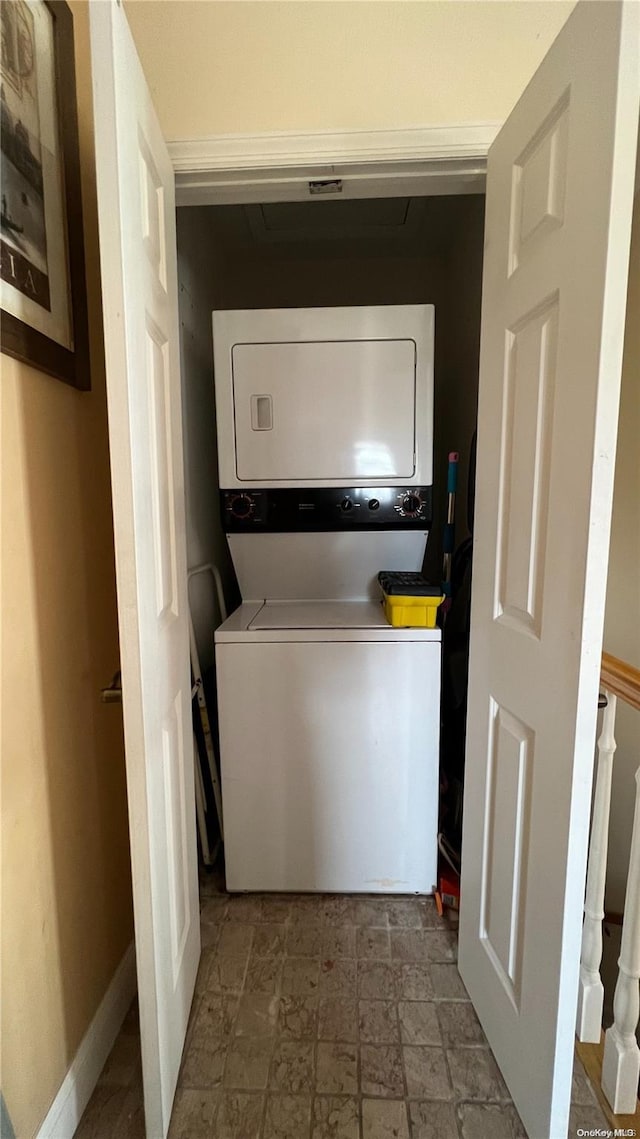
{"x":621,"y":1060}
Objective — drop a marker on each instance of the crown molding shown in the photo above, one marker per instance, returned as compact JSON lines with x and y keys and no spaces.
{"x":286,"y":149}
{"x":223,"y":169}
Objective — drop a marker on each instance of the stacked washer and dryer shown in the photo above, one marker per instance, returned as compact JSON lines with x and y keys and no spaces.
{"x":328,"y":716}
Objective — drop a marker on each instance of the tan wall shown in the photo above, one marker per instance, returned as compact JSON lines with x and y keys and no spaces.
{"x":66,"y":892}
{"x":622,"y":619}
{"x":306,"y":65}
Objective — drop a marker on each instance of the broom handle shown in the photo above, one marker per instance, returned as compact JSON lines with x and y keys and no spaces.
{"x":449,"y":530}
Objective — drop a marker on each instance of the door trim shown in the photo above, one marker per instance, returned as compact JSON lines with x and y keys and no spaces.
{"x":278,"y":166}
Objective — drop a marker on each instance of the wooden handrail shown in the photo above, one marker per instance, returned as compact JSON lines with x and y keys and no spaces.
{"x":621,"y":678}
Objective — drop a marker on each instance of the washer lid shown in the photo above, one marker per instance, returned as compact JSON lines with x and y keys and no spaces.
{"x":320,"y":615}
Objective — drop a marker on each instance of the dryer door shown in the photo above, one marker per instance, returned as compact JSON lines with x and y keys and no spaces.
{"x":325,"y":410}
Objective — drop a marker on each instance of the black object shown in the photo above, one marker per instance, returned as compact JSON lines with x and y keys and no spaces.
{"x":471,"y":482}
{"x":289,"y":509}
{"x":455,"y":677}
{"x":398,"y":584}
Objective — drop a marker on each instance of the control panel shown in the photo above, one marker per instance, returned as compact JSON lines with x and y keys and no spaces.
{"x":327,"y":508}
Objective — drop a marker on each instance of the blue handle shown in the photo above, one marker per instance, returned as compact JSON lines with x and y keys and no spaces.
{"x":452,"y":473}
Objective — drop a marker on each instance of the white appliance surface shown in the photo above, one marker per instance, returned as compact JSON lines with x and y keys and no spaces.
{"x":315,"y":621}
{"x":336,"y":410}
{"x":324,"y":396}
{"x":320,"y":615}
{"x":329,"y":750}
{"x":342,"y":564}
{"x":328,"y":717}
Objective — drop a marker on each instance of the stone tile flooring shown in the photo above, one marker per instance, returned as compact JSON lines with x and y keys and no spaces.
{"x":328,"y":1017}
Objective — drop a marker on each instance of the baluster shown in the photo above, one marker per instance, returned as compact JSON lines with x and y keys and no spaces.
{"x":591,"y":991}
{"x":621,"y":1062}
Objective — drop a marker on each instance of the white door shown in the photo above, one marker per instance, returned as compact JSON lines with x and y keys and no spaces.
{"x":284,"y":432}
{"x":559,"y":201}
{"x":139,"y":291}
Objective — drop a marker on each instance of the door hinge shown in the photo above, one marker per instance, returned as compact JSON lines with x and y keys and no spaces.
{"x":112,"y":694}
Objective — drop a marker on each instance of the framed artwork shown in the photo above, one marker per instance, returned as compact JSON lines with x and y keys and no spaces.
{"x":42,"y":268}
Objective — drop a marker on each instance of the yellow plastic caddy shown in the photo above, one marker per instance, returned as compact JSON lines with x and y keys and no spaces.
{"x":409,"y":600}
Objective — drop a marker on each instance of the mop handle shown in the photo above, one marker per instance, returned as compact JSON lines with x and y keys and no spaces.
{"x":452,"y":473}
{"x":452,"y":484}
{"x":448,"y":537}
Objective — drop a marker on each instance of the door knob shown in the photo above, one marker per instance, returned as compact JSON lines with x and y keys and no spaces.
{"x":113,"y":693}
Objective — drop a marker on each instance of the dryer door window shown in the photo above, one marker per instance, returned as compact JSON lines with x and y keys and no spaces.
{"x":325,"y":410}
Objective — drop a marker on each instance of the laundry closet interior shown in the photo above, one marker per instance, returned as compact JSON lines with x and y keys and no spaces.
{"x":325,"y":253}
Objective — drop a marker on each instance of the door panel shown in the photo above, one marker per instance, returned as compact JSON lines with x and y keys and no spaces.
{"x":559,"y":200}
{"x":160,"y":441}
{"x":139,"y":286}
{"x":319,"y":396}
{"x":523,"y":502}
{"x":538,"y":187}
{"x":503,"y":879}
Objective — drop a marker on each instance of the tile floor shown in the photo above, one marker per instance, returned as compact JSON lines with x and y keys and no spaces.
{"x":328,"y":1017}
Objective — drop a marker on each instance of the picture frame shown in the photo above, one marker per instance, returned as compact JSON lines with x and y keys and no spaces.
{"x":43,"y":295}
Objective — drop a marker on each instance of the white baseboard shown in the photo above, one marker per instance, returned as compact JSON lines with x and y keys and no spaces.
{"x":76,"y":1089}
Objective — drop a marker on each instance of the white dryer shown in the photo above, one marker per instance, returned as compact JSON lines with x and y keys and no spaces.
{"x":329,"y":718}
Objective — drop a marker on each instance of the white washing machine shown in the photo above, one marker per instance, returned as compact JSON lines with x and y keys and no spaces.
{"x":329,"y":717}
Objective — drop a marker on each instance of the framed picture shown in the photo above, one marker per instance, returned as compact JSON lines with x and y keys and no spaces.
{"x":42,"y":269}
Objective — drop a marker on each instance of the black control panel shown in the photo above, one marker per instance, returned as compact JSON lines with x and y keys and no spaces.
{"x":327,"y":508}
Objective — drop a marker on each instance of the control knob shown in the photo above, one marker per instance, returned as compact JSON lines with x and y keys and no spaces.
{"x":346,"y":504}
{"x":411,"y":505}
{"x":242,"y":506}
